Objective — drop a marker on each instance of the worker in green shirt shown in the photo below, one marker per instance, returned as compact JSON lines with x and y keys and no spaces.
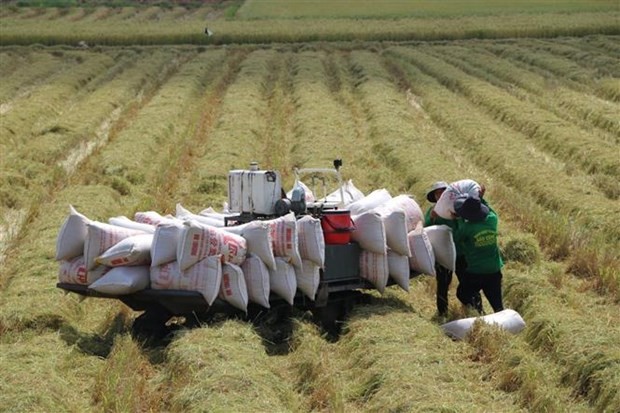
{"x":476,"y":233}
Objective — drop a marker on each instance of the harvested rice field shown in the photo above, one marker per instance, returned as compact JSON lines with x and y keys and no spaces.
{"x":121,"y":126}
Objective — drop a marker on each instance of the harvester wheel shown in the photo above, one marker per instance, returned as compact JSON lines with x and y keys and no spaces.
{"x":150,"y":327}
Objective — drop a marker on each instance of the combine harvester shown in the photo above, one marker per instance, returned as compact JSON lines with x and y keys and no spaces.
{"x":257,"y":195}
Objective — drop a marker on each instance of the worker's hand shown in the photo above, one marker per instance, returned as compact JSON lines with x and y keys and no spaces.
{"x":434,"y":214}
{"x":482,"y":190}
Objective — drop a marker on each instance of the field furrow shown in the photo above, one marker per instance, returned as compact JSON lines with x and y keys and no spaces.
{"x":583,"y":109}
{"x":608,"y":45}
{"x":562,"y":69}
{"x":548,"y":132}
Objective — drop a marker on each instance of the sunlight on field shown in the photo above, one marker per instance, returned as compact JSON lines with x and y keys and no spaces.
{"x":142,"y":126}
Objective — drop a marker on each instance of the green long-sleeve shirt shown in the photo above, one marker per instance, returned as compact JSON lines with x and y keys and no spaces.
{"x":478,"y":242}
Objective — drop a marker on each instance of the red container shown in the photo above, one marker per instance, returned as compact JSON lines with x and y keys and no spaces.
{"x":337,"y":226}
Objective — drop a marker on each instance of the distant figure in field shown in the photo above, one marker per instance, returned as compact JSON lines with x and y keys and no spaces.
{"x":208,"y":32}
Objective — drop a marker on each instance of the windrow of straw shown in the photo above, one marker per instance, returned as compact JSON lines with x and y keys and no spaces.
{"x":588,"y":110}
{"x":224,"y":368}
{"x":23,"y":71}
{"x":580,"y":337}
{"x":552,"y":134}
{"x":567,"y":70}
{"x":513,"y":165}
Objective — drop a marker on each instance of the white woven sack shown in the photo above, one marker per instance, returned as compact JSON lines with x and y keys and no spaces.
{"x":422,"y":258}
{"x":398,"y":268}
{"x":165,"y":241}
{"x":212,"y":213}
{"x":134,"y":250}
{"x":285,"y":238}
{"x":369,"y":202}
{"x":395,"y":224}
{"x":445,"y":204}
{"x":374,"y":268}
{"x":72,"y":236}
{"x":444,"y":249}
{"x":233,"y":289}
{"x":122,"y":280}
{"x":308,"y":278}
{"x":413,"y":212}
{"x":101,"y":237}
{"x":259,"y":241}
{"x":198,"y":241}
{"x":282,"y":280}
{"x":311,"y":240}
{"x":256,"y":276}
{"x":509,"y":320}
{"x":74,"y":271}
{"x":369,"y":232}
{"x":185,"y":215}
{"x":165,"y":276}
{"x":348,"y":195}
{"x":204,"y":277}
{"x":152,"y":218}
{"x":123,"y":221}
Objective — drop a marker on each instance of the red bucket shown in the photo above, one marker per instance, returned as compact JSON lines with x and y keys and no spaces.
{"x":337,"y":226}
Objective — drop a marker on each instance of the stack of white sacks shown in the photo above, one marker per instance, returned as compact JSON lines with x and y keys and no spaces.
{"x":244,"y":263}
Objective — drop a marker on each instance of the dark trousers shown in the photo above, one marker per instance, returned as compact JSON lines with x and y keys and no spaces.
{"x":444,"y":278}
{"x":470,"y":285}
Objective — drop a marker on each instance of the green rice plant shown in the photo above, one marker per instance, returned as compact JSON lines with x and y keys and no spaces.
{"x":522,"y":248}
{"x":226,"y":368}
{"x":108,"y":26}
{"x":298,"y":9}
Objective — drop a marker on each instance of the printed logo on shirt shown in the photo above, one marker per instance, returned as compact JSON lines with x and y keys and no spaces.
{"x":485,"y":238}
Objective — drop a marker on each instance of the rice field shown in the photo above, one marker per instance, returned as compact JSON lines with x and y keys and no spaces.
{"x":117,"y":129}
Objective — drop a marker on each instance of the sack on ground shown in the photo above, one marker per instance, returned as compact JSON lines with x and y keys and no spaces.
{"x":282,"y":280}
{"x":101,"y":237}
{"x":122,"y":280}
{"x":311,"y":240}
{"x":374,"y":268}
{"x":134,"y":250}
{"x":422,"y":258}
{"x":308,"y":278}
{"x":256,"y":276}
{"x":233,"y":289}
{"x":508,"y":320}
{"x":444,"y":250}
{"x":398,"y":268}
{"x":72,"y":236}
{"x":369,"y":232}
{"x":445,"y":204}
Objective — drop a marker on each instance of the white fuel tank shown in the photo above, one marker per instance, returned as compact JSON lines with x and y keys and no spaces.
{"x":254,"y":191}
